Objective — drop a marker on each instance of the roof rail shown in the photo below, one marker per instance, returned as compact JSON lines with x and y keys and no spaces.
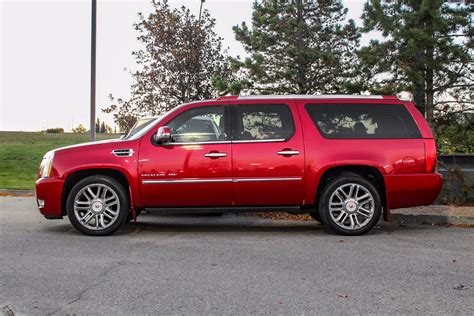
{"x":310,"y":96}
{"x":227,"y":97}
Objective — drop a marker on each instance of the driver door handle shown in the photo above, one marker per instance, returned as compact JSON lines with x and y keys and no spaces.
{"x":215,"y":155}
{"x":288,"y":152}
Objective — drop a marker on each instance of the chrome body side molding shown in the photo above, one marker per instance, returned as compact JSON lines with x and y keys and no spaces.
{"x":174,"y":181}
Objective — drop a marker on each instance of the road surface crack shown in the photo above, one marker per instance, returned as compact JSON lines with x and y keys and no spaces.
{"x":94,"y":285}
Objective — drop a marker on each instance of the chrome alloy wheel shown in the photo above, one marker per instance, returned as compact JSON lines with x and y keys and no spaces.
{"x":351,"y":206}
{"x":96,"y":206}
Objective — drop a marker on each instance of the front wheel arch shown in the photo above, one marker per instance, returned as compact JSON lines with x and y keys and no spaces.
{"x":108,"y":195}
{"x":77,"y":176}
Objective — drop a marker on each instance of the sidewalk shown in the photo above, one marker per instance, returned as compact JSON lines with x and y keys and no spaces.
{"x":435,"y":215}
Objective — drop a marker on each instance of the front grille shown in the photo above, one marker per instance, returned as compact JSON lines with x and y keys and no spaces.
{"x":123,"y":152}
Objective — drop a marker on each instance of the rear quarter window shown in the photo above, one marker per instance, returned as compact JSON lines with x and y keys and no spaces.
{"x":360,"y":121}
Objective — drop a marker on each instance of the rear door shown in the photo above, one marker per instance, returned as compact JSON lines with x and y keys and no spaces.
{"x":267,"y":153}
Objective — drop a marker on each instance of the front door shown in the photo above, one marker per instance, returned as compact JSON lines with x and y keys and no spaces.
{"x":267,"y":154}
{"x":194,"y":168}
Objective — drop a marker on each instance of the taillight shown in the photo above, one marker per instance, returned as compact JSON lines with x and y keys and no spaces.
{"x":430,"y":155}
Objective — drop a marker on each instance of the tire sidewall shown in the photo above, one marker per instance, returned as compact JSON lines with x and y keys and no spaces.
{"x":114,"y":185}
{"x":324,"y":203}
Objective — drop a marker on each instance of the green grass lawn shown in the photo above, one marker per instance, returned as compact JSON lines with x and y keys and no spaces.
{"x":21,"y":154}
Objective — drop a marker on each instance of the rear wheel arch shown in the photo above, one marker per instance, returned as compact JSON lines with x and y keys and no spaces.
{"x":77,"y":176}
{"x":350,"y":204}
{"x":370,"y":173}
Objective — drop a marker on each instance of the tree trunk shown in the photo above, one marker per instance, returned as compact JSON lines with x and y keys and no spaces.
{"x":301,"y":73}
{"x":429,"y":73}
{"x":429,"y":105}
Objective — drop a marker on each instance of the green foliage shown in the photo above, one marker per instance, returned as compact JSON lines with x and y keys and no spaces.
{"x":179,"y":58}
{"x":102,"y":128}
{"x":295,"y":47}
{"x":21,"y":154}
{"x":427,"y":49}
{"x":456,"y":135}
{"x":80,"y":129}
{"x":56,"y":130}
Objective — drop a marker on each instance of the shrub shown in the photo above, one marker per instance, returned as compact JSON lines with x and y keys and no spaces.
{"x":56,"y":130}
{"x":80,"y":129}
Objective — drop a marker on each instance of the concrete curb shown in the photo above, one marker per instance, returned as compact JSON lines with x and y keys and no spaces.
{"x":431,"y":219}
{"x":435,"y":215}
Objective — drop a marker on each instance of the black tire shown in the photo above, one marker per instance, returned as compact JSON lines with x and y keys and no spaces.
{"x":122,"y":209}
{"x":346,"y":181}
{"x":315,"y":215}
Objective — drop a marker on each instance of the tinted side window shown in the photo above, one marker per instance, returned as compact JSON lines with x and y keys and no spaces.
{"x":363,"y":120}
{"x":202,"y":124}
{"x":262,"y":122}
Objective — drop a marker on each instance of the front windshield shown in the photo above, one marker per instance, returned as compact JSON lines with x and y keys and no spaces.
{"x":139,"y":125}
{"x":138,"y":131}
{"x":144,"y":128}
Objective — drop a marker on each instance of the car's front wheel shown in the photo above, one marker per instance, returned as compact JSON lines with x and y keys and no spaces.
{"x":350,"y":205}
{"x":97,"y":205}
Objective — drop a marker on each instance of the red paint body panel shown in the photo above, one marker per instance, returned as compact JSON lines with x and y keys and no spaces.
{"x":185,"y":162}
{"x":49,"y":190}
{"x":412,"y":189}
{"x":408,"y":175}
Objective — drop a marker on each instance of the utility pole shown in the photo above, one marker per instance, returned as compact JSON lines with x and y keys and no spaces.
{"x":200,"y":10}
{"x":93,"y":55}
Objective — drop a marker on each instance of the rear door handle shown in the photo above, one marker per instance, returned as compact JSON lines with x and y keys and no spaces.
{"x":215,"y":155}
{"x":288,"y":152}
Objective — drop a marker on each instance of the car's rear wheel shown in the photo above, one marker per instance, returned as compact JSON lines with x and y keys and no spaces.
{"x":97,"y":205}
{"x":350,"y":205}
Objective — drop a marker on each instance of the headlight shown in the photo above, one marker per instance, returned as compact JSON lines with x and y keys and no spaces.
{"x":47,"y":164}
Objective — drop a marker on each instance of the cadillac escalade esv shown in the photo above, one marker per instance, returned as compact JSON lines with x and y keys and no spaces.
{"x":345,"y":160}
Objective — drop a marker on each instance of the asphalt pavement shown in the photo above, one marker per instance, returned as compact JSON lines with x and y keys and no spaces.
{"x":230,"y":265}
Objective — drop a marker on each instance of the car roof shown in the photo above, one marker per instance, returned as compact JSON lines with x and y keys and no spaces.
{"x":305,"y":96}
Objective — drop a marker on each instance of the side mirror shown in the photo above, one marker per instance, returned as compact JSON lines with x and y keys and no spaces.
{"x":163,"y":134}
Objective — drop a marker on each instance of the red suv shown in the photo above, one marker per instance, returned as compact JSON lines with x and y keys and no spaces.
{"x":345,"y":160}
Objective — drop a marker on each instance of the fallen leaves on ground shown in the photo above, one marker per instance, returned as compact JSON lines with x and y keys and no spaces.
{"x":17,"y":195}
{"x":281,"y":216}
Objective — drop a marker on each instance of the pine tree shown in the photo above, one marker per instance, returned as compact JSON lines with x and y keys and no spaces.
{"x":295,"y":47}
{"x":97,"y":126}
{"x":103,"y":128}
{"x":427,"y":49}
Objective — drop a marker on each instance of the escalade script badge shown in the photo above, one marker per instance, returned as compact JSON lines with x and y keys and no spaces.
{"x":158,"y":175}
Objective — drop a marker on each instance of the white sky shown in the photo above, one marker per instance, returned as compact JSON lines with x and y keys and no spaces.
{"x":45,"y":55}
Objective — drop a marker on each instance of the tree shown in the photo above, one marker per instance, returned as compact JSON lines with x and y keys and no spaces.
{"x":80,"y":129}
{"x":427,"y":49}
{"x":97,"y":126}
{"x":180,"y":55}
{"x":103,"y":129}
{"x":295,"y":47}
